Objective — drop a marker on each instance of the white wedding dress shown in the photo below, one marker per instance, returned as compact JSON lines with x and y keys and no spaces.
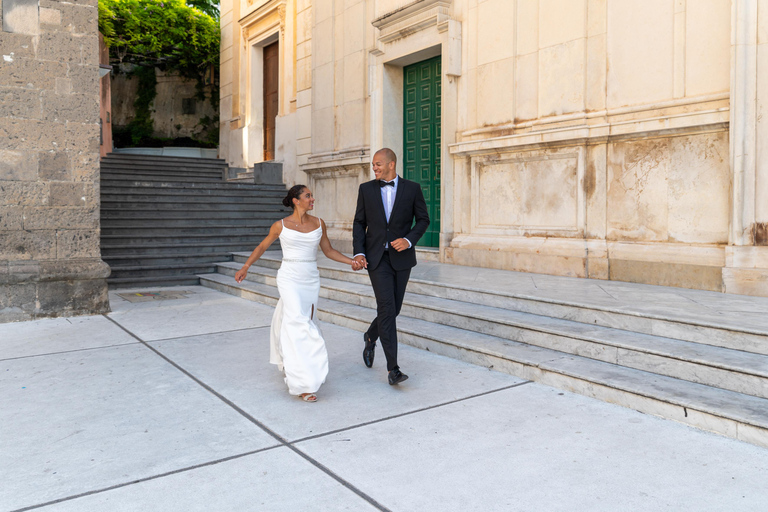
{"x":296,"y":343}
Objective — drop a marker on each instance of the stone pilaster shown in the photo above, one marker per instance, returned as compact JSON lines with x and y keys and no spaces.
{"x":50,"y":262}
{"x":746,"y":267}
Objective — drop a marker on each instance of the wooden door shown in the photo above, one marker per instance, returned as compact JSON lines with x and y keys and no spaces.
{"x":421,"y":138}
{"x":271,"y":82}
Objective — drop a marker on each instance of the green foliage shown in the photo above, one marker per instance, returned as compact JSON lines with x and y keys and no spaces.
{"x":142,"y":125}
{"x":209,"y":7}
{"x":164,"y":33}
{"x":171,"y":36}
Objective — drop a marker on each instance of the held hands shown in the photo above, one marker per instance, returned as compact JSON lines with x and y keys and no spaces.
{"x":240,"y":275}
{"x":359,"y":263}
{"x":399,"y":245}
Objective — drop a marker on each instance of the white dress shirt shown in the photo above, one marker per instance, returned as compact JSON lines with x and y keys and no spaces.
{"x":388,"y":195}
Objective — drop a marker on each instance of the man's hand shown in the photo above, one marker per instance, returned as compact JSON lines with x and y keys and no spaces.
{"x":399,"y":245}
{"x":361,"y":262}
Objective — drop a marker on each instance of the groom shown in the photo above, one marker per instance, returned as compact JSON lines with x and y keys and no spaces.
{"x":384,"y":237}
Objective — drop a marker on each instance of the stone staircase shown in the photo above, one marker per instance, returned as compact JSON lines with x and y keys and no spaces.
{"x":164,"y":220}
{"x":700,"y":358}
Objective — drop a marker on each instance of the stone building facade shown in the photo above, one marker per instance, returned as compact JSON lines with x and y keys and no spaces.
{"x":610,"y":139}
{"x":50,"y":260}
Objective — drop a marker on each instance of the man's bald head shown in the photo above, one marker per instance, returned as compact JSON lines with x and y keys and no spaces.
{"x":387,"y":154}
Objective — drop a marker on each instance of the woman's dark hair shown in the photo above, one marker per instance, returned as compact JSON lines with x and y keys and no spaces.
{"x":294,"y":193}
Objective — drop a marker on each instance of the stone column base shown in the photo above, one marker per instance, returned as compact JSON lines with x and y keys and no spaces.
{"x":746,"y":271}
{"x":39,"y":289}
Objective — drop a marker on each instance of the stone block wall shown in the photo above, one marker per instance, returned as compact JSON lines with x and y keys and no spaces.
{"x":50,"y":262}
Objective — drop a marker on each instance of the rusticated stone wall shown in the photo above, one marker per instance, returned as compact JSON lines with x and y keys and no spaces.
{"x":50,"y":262}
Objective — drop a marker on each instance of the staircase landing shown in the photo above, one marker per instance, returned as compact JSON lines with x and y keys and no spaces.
{"x":693,"y":356}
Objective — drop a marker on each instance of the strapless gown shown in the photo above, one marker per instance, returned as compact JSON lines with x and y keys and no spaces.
{"x":297,"y":346}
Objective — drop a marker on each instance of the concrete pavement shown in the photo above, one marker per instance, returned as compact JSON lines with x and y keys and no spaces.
{"x":171,"y":405}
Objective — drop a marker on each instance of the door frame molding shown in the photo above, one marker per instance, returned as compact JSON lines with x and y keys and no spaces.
{"x":437,"y":33}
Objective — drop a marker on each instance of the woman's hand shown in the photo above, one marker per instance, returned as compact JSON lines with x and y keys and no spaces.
{"x":240,"y":275}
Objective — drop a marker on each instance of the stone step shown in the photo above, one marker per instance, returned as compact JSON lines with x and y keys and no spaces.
{"x":113,"y":215}
{"x":160,"y":160}
{"x":729,"y":369}
{"x":152,"y":282}
{"x":203,"y":210}
{"x":173,"y":248}
{"x":243,"y":238}
{"x":166,"y":259}
{"x":719,"y":332}
{"x":115,"y":199}
{"x":727,"y":412}
{"x":145,"y":227}
{"x":178,"y":269}
{"x":194,"y":187}
{"x":252,"y":220}
{"x":115,"y":178}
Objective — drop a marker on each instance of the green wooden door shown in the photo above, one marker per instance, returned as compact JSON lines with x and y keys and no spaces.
{"x":421,"y":138}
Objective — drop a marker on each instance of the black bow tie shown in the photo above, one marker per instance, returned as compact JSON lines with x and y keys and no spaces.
{"x":383,"y":183}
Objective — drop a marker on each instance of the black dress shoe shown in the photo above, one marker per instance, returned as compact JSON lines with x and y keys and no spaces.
{"x":396,"y":377}
{"x":369,"y":350}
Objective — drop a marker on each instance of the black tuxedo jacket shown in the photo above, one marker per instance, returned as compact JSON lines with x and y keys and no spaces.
{"x":371,"y":231}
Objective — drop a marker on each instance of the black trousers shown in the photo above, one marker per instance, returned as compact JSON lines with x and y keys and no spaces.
{"x":389,"y":288}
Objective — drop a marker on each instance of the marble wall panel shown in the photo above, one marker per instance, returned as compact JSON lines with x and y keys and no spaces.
{"x":637,"y":190}
{"x":561,"y":21}
{"x":561,"y":78}
{"x":495,"y":92}
{"x":673,"y":189}
{"x":322,"y":130}
{"x":354,"y":24}
{"x":699,"y":189}
{"x":527,"y":87}
{"x":527,"y":27}
{"x":354,"y":71}
{"x":538,"y":193}
{"x":707,"y":47}
{"x":640,"y":52}
{"x":495,"y":37}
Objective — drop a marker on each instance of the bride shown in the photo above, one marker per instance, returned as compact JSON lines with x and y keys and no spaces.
{"x":296,"y":344}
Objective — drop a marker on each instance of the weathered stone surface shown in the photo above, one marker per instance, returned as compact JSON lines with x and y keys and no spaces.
{"x":22,"y":103}
{"x":57,"y":298}
{"x":81,"y":268}
{"x":84,"y":78}
{"x":18,"y":165}
{"x":50,"y":17}
{"x":69,"y":194}
{"x":16,"y":46}
{"x":27,"y":245}
{"x":90,"y":50}
{"x":23,"y":72}
{"x":82,"y":137}
{"x":31,"y":134}
{"x":17,"y":302}
{"x":55,"y":166}
{"x":55,"y":4}
{"x":85,"y":165}
{"x":28,"y":271}
{"x":58,"y":218}
{"x":61,"y":47}
{"x":10,"y":218}
{"x":63,"y":86}
{"x":82,"y":108}
{"x":21,"y":16}
{"x":22,"y":193}
{"x":77,"y":244}
{"x":78,"y":19}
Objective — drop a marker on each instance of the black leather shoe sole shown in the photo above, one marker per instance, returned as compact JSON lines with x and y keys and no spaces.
{"x":396,"y":378}
{"x":369,"y":351}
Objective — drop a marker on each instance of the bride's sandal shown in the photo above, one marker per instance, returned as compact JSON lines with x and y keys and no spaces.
{"x":308,"y":397}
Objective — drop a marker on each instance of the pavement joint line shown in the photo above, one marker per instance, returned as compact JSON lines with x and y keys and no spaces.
{"x":275,"y":435}
{"x":69,"y":351}
{"x":206,"y":334}
{"x":146,"y":479}
{"x":408,"y":413}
